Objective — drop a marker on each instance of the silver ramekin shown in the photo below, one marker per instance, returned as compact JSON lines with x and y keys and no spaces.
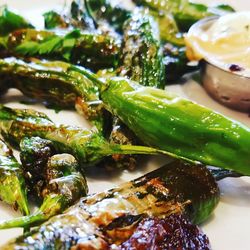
{"x":228,"y":87}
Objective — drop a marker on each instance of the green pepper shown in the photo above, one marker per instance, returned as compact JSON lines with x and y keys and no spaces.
{"x":115,"y":13}
{"x":34,"y":155}
{"x":91,"y":50}
{"x":141,"y":53}
{"x":12,"y":183}
{"x":87,"y":146}
{"x":168,"y":29}
{"x":172,"y":123}
{"x":96,"y":222}
{"x":58,"y":84}
{"x":64,"y":185}
{"x":166,"y":121}
{"x":185,"y":12}
{"x":10,"y":21}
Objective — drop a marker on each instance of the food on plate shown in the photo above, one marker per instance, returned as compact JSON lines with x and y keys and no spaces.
{"x":164,"y":120}
{"x":141,"y":53}
{"x":10,"y":21}
{"x":12,"y":179}
{"x":88,"y":146}
{"x":60,"y":183}
{"x":215,"y":138}
{"x":57,"y":84}
{"x":92,"y":50}
{"x":111,"y":62}
{"x":173,"y":232}
{"x":101,"y":220}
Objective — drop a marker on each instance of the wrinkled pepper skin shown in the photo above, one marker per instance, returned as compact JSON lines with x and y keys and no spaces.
{"x":12,"y":184}
{"x":141,"y":61}
{"x":64,"y":185}
{"x":91,"y":50}
{"x":110,"y":217}
{"x":141,"y":53}
{"x":166,"y":121}
{"x":87,"y":146}
{"x":185,"y":12}
{"x":53,"y":20}
{"x":34,"y":155}
{"x":168,"y":29}
{"x":10,"y":21}
{"x":115,"y":13}
{"x":56,"y":83}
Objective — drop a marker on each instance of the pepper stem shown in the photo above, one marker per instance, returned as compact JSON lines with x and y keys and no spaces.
{"x":132,"y":149}
{"x":52,"y":205}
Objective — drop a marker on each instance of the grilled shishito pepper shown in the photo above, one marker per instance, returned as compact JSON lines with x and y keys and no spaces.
{"x":115,"y":13}
{"x":91,"y":50}
{"x":56,"y":83}
{"x":87,"y":146}
{"x":167,"y":121}
{"x":34,"y":155}
{"x":12,"y":183}
{"x":185,"y":12}
{"x":10,"y":21}
{"x":110,"y":217}
{"x":141,"y":53}
{"x":64,"y":186}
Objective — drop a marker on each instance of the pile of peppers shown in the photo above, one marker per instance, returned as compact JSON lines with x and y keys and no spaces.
{"x":111,"y":64}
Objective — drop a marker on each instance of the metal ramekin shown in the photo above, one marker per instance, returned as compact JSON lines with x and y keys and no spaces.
{"x":229,"y":88}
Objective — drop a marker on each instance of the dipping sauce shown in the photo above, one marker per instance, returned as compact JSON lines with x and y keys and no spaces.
{"x":223,"y":41}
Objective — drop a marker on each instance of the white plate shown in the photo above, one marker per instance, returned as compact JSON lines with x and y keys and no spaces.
{"x":228,"y":227}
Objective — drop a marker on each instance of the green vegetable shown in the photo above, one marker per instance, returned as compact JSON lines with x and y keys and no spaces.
{"x":9,"y":21}
{"x":141,"y":54}
{"x":92,"y":50}
{"x":12,"y":184}
{"x":97,"y":221}
{"x":87,"y":146}
{"x":115,"y":13}
{"x":168,"y":29}
{"x":80,"y":17}
{"x":77,"y":17}
{"x":168,"y":122}
{"x":63,"y":187}
{"x":57,"y":83}
{"x":54,"y":20}
{"x":176,"y":62}
{"x":34,"y":155}
{"x":185,"y":12}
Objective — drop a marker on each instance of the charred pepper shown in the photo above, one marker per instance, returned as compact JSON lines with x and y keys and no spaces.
{"x":87,"y":146}
{"x":111,"y":217}
{"x":12,"y":183}
{"x":64,"y":185}
{"x":91,"y":50}
{"x":141,"y":52}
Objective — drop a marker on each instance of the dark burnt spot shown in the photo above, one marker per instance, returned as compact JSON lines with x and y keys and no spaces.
{"x":123,"y":221}
{"x":173,"y":232}
{"x":141,"y":195}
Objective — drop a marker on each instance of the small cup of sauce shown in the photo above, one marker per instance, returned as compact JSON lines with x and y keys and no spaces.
{"x":223,"y":46}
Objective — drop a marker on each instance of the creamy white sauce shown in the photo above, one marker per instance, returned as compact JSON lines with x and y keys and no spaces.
{"x":225,"y":42}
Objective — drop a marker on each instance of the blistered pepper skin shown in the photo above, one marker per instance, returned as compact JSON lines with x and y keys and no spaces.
{"x":110,"y":217}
